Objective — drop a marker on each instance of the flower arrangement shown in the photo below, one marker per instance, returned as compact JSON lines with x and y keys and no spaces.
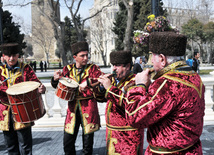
{"x":159,"y":24}
{"x":141,"y":37}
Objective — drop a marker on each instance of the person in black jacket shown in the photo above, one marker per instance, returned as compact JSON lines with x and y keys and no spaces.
{"x":138,"y":66}
{"x":196,"y":62}
{"x":41,"y":66}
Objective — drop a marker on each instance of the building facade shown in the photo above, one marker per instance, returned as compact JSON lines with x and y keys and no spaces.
{"x":43,"y":41}
{"x":102,"y":39}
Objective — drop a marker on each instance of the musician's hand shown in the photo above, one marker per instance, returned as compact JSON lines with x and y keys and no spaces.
{"x":57,"y":75}
{"x":143,"y":78}
{"x":42,"y":89}
{"x":105,"y":81}
{"x":1,"y":83}
{"x":82,"y":86}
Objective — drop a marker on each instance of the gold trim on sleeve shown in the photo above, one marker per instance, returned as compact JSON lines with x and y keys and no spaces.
{"x":199,"y":91}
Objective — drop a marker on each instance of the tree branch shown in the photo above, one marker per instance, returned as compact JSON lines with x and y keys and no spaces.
{"x":108,"y":5}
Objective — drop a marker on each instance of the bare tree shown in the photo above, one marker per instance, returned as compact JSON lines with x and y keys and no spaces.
{"x":52,"y":17}
{"x":42,"y":39}
{"x":57,"y":25}
{"x":70,"y":4}
{"x":98,"y":33}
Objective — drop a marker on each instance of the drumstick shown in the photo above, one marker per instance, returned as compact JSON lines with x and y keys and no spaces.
{"x":67,"y":73}
{"x":132,"y":84}
{"x":11,"y":76}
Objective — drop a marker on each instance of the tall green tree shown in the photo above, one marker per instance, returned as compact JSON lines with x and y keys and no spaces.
{"x":142,"y":9}
{"x":11,"y":31}
{"x":70,"y":36}
{"x":209,"y":35}
{"x":193,"y":29}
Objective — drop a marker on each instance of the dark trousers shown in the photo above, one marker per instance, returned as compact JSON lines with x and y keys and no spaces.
{"x":19,"y":141}
{"x":69,"y":140}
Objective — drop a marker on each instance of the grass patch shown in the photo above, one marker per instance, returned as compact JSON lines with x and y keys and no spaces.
{"x":203,"y":72}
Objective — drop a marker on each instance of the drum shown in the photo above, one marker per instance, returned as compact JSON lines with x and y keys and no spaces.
{"x":66,"y":89}
{"x":26,"y":102}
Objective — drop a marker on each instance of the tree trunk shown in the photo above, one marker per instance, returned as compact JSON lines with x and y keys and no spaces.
{"x":61,"y":45}
{"x":126,"y":41}
{"x":103,"y":57}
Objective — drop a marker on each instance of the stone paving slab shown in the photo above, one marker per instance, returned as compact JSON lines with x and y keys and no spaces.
{"x":49,"y":141}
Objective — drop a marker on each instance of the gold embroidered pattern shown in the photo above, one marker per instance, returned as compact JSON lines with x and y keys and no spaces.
{"x":111,"y":151}
{"x":4,"y":123}
{"x":69,"y":128}
{"x":21,"y":125}
{"x":158,"y":90}
{"x":89,"y":127}
{"x":169,"y":67}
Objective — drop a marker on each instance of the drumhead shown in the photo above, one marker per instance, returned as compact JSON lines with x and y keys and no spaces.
{"x":22,"y":88}
{"x":68,"y":82}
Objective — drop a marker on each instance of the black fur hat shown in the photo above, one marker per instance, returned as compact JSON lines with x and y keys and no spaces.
{"x":10,"y":48}
{"x":79,"y":46}
{"x":120,"y":57}
{"x":167,"y":43}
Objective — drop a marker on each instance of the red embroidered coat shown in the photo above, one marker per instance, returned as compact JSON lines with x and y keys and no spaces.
{"x":23,"y":73}
{"x":86,"y":100}
{"x":172,"y":110}
{"x":121,"y":138}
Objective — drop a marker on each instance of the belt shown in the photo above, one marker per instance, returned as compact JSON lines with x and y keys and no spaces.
{"x":83,"y":98}
{"x":162,"y":150}
{"x":120,"y":128}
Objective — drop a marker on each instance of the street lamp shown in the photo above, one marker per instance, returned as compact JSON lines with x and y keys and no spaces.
{"x":155,"y":7}
{"x":1,"y":31}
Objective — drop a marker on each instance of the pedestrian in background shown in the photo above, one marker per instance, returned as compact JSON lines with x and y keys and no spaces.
{"x":45,"y":66}
{"x":41,"y":66}
{"x":121,"y":138}
{"x":196,"y":62}
{"x":172,"y":107}
{"x":138,"y":65}
{"x":18,"y":136}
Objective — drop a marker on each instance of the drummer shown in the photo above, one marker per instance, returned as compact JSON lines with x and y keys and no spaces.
{"x":83,"y":109}
{"x":18,"y":136}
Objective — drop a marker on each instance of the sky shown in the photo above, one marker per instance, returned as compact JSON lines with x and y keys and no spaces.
{"x":23,"y":14}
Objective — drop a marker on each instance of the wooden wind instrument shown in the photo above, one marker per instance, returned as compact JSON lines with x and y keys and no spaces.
{"x":132,"y":84}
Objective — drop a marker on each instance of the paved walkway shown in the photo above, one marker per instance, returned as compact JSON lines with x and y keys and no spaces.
{"x":49,"y":141}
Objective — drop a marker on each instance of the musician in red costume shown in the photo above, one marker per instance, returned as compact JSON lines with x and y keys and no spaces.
{"x":83,"y":109}
{"x":121,"y":138}
{"x":171,"y":107}
{"x":18,"y":136}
